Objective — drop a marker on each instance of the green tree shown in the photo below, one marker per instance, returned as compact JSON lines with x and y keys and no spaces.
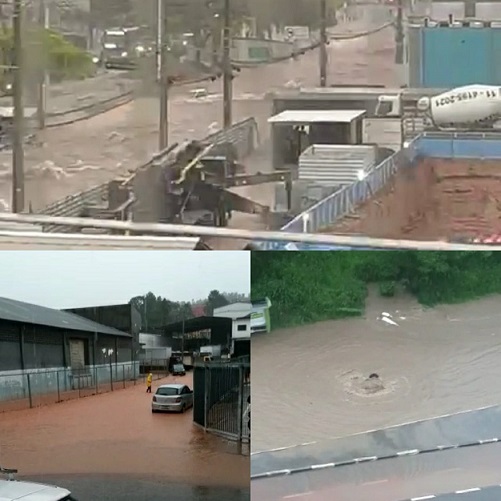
{"x":215,"y":300}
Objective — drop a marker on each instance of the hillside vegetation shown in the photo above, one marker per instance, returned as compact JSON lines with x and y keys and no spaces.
{"x":306,"y":287}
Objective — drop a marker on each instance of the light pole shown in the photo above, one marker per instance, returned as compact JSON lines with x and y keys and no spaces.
{"x":17,"y":90}
{"x":162,"y":46}
{"x":227,"y":69}
{"x":323,"y":43}
{"x":108,"y":352}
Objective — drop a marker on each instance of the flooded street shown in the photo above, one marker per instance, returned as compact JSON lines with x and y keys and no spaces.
{"x":117,"y":434}
{"x":311,"y":383}
{"x":76,"y":157}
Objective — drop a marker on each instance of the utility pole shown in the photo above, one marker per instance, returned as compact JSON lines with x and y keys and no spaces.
{"x":163,"y":73}
{"x":18,"y":132}
{"x":44,"y":74}
{"x":323,"y":43}
{"x":227,"y":69}
{"x":399,"y":34}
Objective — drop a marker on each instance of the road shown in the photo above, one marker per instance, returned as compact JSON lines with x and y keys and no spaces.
{"x":129,"y":488}
{"x":116,"y":435}
{"x":391,"y":479}
{"x":78,"y":156}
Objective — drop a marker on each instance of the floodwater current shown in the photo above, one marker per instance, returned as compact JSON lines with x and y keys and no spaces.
{"x":309,"y":383}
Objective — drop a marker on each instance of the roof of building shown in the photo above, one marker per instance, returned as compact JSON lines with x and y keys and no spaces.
{"x":196,"y":324}
{"x":292,"y":117}
{"x":18,"y":311}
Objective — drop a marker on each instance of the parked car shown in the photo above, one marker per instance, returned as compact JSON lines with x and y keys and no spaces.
{"x":13,"y":490}
{"x":172,"y":397}
{"x":178,"y":370}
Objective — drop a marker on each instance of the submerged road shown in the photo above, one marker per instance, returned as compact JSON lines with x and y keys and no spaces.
{"x":411,"y":477}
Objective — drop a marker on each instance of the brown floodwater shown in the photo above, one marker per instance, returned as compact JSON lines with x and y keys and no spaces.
{"x":116,"y":433}
{"x":309,"y":383}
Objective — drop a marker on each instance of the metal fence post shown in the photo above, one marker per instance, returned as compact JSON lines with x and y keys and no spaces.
{"x":58,"y":387}
{"x":206,"y":396}
{"x":30,"y":396}
{"x":79,"y":384}
{"x":95,"y":380}
{"x":240,"y":401}
{"x":123,"y":374}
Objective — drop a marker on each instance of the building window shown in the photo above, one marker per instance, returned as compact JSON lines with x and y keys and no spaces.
{"x":241,"y":327}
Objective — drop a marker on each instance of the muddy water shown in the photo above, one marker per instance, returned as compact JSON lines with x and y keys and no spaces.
{"x":82,"y":155}
{"x":310,"y":383}
{"x":116,"y":433}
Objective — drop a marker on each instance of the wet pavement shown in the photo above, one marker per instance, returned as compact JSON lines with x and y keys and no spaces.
{"x":435,"y":361}
{"x":116,"y":434}
{"x":414,"y":477}
{"x":79,"y":156}
{"x":129,"y":488}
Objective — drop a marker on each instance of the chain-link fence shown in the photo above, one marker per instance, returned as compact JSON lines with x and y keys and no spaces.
{"x":222,"y":398}
{"x":32,"y":388}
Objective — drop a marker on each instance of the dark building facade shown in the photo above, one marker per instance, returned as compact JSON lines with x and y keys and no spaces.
{"x":123,"y":317}
{"x":35,"y":337}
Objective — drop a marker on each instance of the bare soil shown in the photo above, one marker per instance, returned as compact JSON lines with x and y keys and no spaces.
{"x":438,"y":199}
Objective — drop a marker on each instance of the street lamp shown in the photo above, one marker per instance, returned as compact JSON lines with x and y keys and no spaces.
{"x":108,"y":352}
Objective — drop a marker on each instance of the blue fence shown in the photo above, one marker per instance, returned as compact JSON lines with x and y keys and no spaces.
{"x":484,"y":146}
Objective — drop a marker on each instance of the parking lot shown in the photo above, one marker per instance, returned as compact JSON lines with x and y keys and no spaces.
{"x":115,"y":434}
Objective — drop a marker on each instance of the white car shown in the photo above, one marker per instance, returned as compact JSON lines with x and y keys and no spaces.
{"x":13,"y":490}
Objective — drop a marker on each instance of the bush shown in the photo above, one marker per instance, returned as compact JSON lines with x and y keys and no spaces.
{"x":48,"y":49}
{"x":306,"y":287}
{"x":387,"y":289}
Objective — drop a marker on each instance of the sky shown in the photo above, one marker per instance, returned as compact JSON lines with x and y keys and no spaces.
{"x":66,"y":279}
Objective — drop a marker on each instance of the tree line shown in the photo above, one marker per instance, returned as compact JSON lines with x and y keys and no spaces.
{"x":306,"y":287}
{"x":158,"y":311}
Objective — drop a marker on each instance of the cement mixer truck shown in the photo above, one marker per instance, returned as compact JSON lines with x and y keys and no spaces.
{"x":470,"y":107}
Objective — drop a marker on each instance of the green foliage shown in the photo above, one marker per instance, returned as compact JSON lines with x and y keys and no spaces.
{"x":387,"y":288}
{"x":47,"y":48}
{"x":307,"y":287}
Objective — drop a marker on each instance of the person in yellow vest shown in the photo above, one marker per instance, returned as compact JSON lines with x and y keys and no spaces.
{"x":149,"y":379}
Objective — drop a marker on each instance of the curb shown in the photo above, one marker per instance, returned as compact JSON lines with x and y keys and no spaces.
{"x":410,"y":452}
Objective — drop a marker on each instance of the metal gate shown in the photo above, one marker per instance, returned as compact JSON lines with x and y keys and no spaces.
{"x":221,"y":394}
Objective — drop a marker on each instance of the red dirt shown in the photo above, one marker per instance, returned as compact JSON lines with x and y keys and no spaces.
{"x":439,"y":199}
{"x":117,"y":433}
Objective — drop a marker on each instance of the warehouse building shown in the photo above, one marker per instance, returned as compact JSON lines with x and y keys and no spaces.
{"x":123,"y":317}
{"x":39,"y":345}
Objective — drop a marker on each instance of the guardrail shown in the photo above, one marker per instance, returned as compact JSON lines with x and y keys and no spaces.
{"x":243,"y":135}
{"x":67,"y":117}
{"x":239,"y":234}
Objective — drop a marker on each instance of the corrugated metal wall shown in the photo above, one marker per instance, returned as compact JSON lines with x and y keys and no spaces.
{"x":453,"y":56}
{"x":335,"y":165}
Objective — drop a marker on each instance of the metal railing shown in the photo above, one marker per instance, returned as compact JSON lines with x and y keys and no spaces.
{"x":344,"y":201}
{"x":222,"y":398}
{"x":36,"y":387}
{"x":249,"y":235}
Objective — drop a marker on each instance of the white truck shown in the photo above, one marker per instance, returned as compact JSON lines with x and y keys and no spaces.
{"x":470,"y":107}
